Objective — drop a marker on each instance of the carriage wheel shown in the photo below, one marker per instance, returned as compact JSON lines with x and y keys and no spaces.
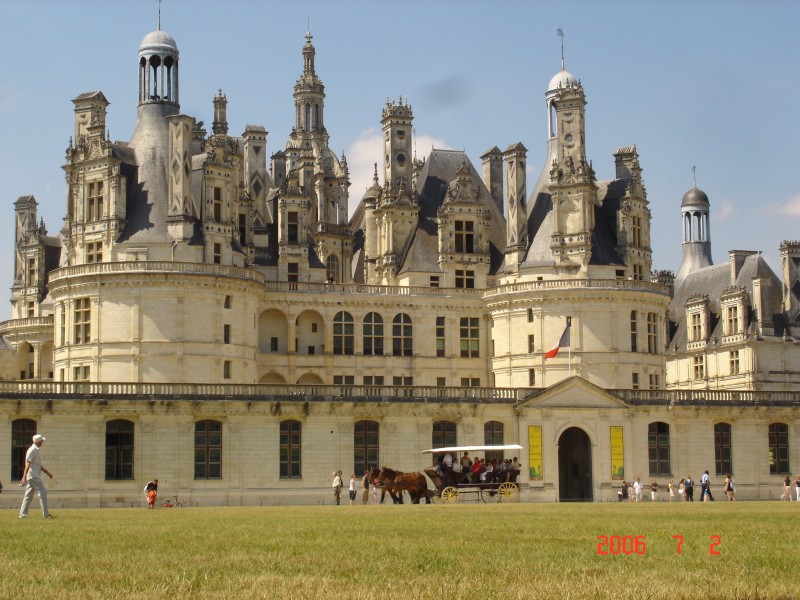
{"x":450,"y":495}
{"x":508,"y":492}
{"x":489,"y":495}
{"x":436,"y":498}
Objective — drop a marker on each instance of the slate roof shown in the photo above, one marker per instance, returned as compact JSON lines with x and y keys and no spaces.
{"x":713,"y":281}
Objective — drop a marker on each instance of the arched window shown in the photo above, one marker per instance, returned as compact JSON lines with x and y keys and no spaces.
{"x":22,"y":430}
{"x":658,"y":448}
{"x":332,"y":269}
{"x":778,"y":448}
{"x":493,"y":436}
{"x":402,"y":340}
{"x":208,"y":450}
{"x":119,"y":450}
{"x":343,"y":333}
{"x":366,"y":440}
{"x":373,"y":335}
{"x":308,"y":118}
{"x":722,"y":448}
{"x":290,"y":445}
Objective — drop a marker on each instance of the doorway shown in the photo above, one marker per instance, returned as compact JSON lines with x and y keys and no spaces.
{"x":575,"y":466}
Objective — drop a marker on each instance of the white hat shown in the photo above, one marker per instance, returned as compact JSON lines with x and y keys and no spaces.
{"x":39,"y":438}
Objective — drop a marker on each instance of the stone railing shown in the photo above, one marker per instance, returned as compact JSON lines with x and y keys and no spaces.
{"x":577,"y":284}
{"x":27,"y":323}
{"x":253,"y":392}
{"x":155,"y":266}
{"x":374,"y":290}
{"x":708,"y":397}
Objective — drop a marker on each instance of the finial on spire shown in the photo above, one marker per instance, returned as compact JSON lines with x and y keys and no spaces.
{"x":159,"y":15}
{"x":694,"y":174}
{"x":560,"y":33}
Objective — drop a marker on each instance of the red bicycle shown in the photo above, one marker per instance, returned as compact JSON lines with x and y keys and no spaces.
{"x":172,"y":502}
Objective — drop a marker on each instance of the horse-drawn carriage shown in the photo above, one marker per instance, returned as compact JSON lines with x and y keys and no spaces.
{"x":452,"y":482}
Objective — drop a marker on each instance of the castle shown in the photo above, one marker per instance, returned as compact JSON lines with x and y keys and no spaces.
{"x":221,"y":321}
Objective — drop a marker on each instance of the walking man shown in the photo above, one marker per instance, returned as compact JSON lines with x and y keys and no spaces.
{"x":32,"y":479}
{"x":337,"y":486}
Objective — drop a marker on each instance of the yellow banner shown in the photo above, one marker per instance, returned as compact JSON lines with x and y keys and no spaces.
{"x":617,"y":453}
{"x":535,"y":452}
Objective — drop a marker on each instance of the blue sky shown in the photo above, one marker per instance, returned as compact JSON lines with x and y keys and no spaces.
{"x":711,"y":84}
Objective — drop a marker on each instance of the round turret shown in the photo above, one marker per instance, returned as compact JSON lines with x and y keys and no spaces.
{"x":562,"y":79}
{"x":695,"y":197}
{"x":158,"y":42}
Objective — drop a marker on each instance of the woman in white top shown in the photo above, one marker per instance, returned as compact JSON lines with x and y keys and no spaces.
{"x":352,"y":489}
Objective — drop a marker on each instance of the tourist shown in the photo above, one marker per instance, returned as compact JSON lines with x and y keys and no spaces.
{"x":151,"y":492}
{"x":729,"y":487}
{"x":671,"y":489}
{"x":337,"y":486}
{"x":352,"y":489}
{"x":653,"y":490}
{"x":705,"y":487}
{"x":787,"y":489}
{"x":688,"y":487}
{"x":32,"y":479}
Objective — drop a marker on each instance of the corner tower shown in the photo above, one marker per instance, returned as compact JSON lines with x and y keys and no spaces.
{"x":695,"y":209}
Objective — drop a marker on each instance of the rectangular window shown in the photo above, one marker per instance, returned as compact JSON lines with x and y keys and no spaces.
{"x":293,"y":272}
{"x":208,"y":450}
{"x":638,"y":272}
{"x":94,"y":201}
{"x":531,"y":378}
{"x":31,"y":271}
{"x":434,"y":281}
{"x":778,"y":448}
{"x":465,"y":279}
{"x":470,"y":337}
{"x":292,"y":228}
{"x":654,"y":381}
{"x":531,"y":343}
{"x":699,"y":367}
{"x":218,"y":204}
{"x":289,"y":441}
{"x":636,"y":231}
{"x":732,"y":320}
{"x":119,"y":450}
{"x":226,"y":334}
{"x":658,"y":449}
{"x":227,"y":302}
{"x":344,"y":380}
{"x":465,"y":237}
{"x":634,"y":331}
{"x":634,"y":381}
{"x":470,"y":382}
{"x":62,"y":324}
{"x":723,"y":449}
{"x":242,"y":228}
{"x":217,"y":248}
{"x":94,"y":252}
{"x":31,"y":309}
{"x":80,"y":373}
{"x":652,"y":335}
{"x":402,"y":380}
{"x":696,"y":328}
{"x":226,"y":369}
{"x":441,"y":382}
{"x":530,"y":315}
{"x":440,"y":340}
{"x":273,"y":344}
{"x":734,"y":361}
{"x":373,"y":379}
{"x":82,"y":316}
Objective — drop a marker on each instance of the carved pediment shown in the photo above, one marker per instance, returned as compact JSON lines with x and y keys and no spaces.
{"x":572,"y":393}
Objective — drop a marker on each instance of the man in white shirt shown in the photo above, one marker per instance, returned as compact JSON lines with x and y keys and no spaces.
{"x":32,"y":479}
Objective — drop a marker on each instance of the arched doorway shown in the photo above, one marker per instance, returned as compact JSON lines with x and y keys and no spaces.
{"x":574,"y":466}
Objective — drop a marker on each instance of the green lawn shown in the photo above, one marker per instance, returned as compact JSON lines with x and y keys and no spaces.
{"x":439,"y":551}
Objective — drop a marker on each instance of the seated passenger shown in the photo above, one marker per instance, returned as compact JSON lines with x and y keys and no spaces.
{"x":477,"y":469}
{"x":466,"y":465}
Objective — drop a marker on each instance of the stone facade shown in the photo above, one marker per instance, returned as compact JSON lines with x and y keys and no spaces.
{"x":197,"y":303}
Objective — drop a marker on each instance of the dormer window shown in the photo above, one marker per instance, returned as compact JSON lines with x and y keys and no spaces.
{"x":733,"y":306}
{"x":697,"y":321}
{"x":465,"y":237}
{"x":94,"y":201}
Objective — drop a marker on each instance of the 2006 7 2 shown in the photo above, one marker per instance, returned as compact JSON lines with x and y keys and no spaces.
{"x":629,"y":544}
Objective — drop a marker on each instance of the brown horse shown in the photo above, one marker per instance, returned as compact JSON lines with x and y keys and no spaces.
{"x":374,"y":475}
{"x":396,"y":482}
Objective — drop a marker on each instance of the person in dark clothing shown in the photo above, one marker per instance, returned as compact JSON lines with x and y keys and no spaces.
{"x":688,"y":488}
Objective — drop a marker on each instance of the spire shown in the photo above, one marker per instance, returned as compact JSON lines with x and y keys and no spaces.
{"x":308,"y":55}
{"x":159,"y":16}
{"x":560,"y":33}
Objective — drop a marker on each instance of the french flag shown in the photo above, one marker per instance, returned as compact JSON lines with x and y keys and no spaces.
{"x":563,"y":342}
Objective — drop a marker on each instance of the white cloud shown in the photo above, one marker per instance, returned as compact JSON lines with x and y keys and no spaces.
{"x":790,"y":208}
{"x":368,"y":150}
{"x":726,"y":209}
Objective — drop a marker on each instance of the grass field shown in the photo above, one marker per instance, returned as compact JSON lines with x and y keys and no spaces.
{"x":502,"y":551}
